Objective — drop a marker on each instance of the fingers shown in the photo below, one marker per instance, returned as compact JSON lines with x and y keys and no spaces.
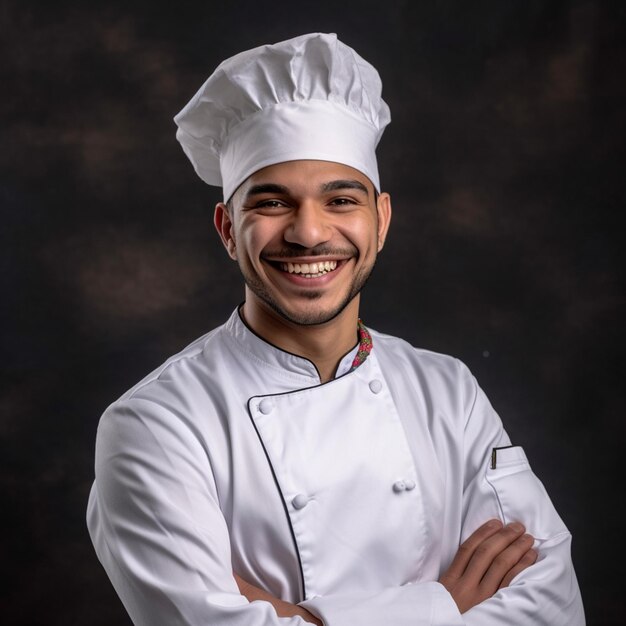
{"x":468,"y":547}
{"x":505,"y":560}
{"x":487,"y":561}
{"x":526,"y":561}
{"x":490,"y":551}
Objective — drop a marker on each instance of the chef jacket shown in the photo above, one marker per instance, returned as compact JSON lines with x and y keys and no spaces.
{"x":350,"y":497}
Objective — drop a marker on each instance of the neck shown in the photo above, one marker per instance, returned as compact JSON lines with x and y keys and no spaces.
{"x":323,"y":344}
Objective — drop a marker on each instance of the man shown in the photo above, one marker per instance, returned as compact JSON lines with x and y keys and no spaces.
{"x":292,"y":456}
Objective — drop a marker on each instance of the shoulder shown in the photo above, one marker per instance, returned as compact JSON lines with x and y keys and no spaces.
{"x":390,"y":348}
{"x":441,"y":390}
{"x":193,"y":366}
{"x":440,"y":378}
{"x":183,"y":386}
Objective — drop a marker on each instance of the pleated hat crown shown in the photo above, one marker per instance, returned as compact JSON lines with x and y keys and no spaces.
{"x":311,"y":97}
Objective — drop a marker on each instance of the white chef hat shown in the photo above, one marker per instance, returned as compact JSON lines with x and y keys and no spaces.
{"x":311,"y":97}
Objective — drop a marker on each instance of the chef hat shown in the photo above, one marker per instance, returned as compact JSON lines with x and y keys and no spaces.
{"x":311,"y":97}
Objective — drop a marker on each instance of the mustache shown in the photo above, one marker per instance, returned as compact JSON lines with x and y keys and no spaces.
{"x":290,"y":252}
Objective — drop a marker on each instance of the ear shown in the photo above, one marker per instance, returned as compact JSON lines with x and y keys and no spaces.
{"x":224,"y":226}
{"x":383,"y":208}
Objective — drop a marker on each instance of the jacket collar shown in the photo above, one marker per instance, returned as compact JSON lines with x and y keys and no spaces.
{"x":270,"y":355}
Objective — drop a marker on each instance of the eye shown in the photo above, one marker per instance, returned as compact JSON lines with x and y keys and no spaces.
{"x":271,"y":206}
{"x":343,"y":202}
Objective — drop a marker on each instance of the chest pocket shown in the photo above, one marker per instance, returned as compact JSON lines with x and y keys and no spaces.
{"x":348,"y":482}
{"x":521,"y":495}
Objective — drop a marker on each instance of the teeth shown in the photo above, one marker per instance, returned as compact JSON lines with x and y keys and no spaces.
{"x":310,"y":270}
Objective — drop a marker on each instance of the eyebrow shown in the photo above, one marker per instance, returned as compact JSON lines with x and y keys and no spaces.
{"x":256,"y":190}
{"x":333,"y":185}
{"x":336,"y":185}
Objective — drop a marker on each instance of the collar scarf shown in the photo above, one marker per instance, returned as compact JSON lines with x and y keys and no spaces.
{"x":365,"y":346}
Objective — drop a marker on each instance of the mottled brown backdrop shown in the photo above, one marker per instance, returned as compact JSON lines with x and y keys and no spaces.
{"x":505,"y":161}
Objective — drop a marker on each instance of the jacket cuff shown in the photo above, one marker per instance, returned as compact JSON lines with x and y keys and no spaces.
{"x":418,"y":604}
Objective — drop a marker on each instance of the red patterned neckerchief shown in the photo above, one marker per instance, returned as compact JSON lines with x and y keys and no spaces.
{"x":365,"y":346}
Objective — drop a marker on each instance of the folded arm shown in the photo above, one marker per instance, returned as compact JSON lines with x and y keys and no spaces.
{"x":486,"y":562}
{"x":500,"y":484}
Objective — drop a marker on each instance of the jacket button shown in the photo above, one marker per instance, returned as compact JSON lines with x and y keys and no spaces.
{"x":375,"y":386}
{"x":266,"y":406}
{"x":300,"y":501}
{"x":409,"y":484}
{"x":399,"y":486}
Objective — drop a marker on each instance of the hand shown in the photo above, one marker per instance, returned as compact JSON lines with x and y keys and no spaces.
{"x":282,"y":608}
{"x":487,"y":561}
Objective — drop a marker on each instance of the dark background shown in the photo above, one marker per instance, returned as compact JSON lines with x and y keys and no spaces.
{"x":505,"y":161}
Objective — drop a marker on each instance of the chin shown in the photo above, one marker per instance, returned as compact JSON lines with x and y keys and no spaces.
{"x":313,"y":311}
{"x":309,"y":316}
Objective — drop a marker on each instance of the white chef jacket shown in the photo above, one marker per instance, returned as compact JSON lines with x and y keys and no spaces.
{"x":350,"y":497}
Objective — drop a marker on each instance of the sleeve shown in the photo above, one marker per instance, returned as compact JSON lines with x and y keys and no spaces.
{"x":418,"y":604}
{"x":500,"y":483}
{"x":157,"y":527}
{"x":158,"y":530}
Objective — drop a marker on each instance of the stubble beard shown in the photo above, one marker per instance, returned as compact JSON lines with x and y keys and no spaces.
{"x":311,"y":318}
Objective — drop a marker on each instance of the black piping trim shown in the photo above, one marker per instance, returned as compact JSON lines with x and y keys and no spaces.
{"x":269,"y":461}
{"x":282,"y":498}
{"x":299,"y":356}
{"x":267,"y":456}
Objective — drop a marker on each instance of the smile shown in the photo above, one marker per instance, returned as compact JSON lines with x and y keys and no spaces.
{"x":309,"y":270}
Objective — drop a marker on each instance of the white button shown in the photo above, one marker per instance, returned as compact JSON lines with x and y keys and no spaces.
{"x":409,"y":484}
{"x":375,"y":386}
{"x":300,"y":501}
{"x":266,"y":406}
{"x":399,"y":486}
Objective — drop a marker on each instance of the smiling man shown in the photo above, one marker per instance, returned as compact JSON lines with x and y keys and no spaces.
{"x":293,"y":466}
{"x":306,"y":235}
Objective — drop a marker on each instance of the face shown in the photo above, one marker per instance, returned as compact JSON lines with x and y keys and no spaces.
{"x":305,"y":235}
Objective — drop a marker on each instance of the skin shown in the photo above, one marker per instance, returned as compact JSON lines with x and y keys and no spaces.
{"x":312,"y":211}
{"x":488,"y":561}
{"x":303,"y":212}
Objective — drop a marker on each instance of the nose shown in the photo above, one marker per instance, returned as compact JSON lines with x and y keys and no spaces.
{"x":308,"y":226}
